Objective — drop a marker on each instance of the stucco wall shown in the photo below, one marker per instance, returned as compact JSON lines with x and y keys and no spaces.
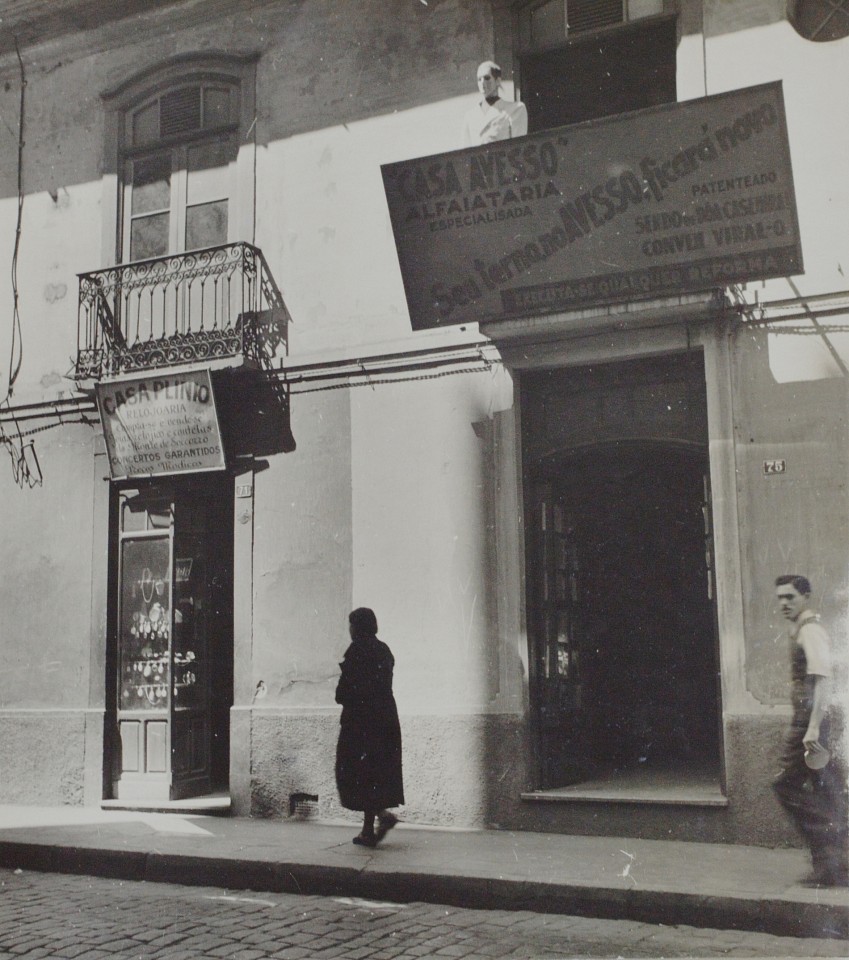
{"x":302,"y":558}
{"x":458,"y":770}
{"x":339,"y":91}
{"x":46,"y":587}
{"x":752,"y":750}
{"x":761,"y":52}
{"x":462,"y":771}
{"x":52,"y":685}
{"x":789,"y":521}
{"x":390,"y":494}
{"x":424,"y":538}
{"x":337,"y":95}
{"x":42,"y":757}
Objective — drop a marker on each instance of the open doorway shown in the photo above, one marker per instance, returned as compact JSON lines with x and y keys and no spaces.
{"x":620,"y":575}
{"x":171,"y":662}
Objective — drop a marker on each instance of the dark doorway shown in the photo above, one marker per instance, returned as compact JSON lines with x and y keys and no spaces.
{"x":620,"y":587}
{"x":614,"y":71}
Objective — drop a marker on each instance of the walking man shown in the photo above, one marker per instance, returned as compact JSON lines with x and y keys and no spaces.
{"x":809,"y":786}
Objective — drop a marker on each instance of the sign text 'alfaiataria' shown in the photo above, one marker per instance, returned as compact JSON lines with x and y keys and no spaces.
{"x":672,"y":199}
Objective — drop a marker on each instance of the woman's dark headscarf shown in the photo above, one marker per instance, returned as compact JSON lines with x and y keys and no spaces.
{"x":363,"y":623}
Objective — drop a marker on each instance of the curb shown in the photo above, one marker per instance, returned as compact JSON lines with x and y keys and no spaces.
{"x":774,"y":916}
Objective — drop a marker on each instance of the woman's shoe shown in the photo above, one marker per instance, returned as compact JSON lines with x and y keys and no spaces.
{"x":387,"y":821}
{"x":362,"y":841}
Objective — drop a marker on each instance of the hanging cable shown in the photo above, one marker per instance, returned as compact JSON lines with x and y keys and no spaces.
{"x":16,"y":352}
{"x":25,"y":466}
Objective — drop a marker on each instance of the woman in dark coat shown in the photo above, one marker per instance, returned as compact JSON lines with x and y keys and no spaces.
{"x":368,"y":755}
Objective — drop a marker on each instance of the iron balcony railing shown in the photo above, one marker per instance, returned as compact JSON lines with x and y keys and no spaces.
{"x":196,"y":307}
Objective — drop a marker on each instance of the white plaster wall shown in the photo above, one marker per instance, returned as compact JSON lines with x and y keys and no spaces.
{"x":812,"y":75}
{"x":46,"y":583}
{"x":323,"y":220}
{"x":321,"y":212}
{"x":818,"y":127}
{"x":58,"y":240}
{"x":302,"y":559}
{"x":423,"y":486}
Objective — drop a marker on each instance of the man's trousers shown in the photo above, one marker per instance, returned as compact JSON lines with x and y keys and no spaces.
{"x":816,"y":800}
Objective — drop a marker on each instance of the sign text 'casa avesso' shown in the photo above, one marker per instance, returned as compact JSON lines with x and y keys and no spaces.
{"x":162,"y":424}
{"x":672,"y":199}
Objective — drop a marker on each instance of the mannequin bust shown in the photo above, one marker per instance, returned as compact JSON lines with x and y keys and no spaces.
{"x":493,"y":118}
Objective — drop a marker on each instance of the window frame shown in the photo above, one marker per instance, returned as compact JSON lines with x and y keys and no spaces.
{"x":580,"y":42}
{"x":179,"y":204}
{"x":238,"y":74}
{"x":524,"y":11}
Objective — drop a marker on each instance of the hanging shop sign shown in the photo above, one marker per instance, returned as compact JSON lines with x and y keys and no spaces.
{"x":163,"y":424}
{"x":673,"y":199}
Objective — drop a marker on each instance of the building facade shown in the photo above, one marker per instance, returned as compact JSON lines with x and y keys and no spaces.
{"x":568,"y":523}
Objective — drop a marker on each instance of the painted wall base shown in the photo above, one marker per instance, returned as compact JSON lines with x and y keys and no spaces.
{"x":43,"y":757}
{"x":470,"y":771}
{"x":459,"y":771}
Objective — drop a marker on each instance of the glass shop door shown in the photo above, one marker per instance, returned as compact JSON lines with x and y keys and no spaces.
{"x":173,"y":618}
{"x":145,"y":629}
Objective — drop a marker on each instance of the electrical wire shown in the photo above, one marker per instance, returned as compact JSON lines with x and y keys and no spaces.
{"x":16,"y":351}
{"x":25,"y":466}
{"x":372,"y":381}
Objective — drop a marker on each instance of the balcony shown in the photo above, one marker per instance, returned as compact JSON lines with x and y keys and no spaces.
{"x":218,"y":307}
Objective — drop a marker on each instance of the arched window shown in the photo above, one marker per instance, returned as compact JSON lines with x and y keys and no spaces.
{"x":819,"y":20}
{"x":177,"y":133}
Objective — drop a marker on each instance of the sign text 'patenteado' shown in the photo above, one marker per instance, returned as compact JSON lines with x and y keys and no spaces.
{"x":677,"y":198}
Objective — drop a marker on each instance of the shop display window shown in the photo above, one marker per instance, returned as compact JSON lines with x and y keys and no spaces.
{"x":145,"y":634}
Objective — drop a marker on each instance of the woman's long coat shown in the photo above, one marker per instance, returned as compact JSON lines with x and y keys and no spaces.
{"x":368,"y":754}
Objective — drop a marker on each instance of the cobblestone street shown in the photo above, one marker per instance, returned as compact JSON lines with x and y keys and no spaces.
{"x":65,"y":917}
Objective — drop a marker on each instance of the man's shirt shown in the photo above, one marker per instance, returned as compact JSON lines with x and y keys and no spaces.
{"x":810,"y":635}
{"x":501,"y":120}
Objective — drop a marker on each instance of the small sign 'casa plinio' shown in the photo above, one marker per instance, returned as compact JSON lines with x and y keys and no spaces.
{"x":163,"y":424}
{"x":683,"y":197}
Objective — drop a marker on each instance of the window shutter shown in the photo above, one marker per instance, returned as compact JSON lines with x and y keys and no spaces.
{"x":179,"y":111}
{"x":584,"y":15}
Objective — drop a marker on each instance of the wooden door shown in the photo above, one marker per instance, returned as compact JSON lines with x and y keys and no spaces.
{"x":557,"y":620}
{"x":193,"y":620}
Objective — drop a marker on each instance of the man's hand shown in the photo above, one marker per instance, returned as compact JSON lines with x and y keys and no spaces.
{"x":497,"y":129}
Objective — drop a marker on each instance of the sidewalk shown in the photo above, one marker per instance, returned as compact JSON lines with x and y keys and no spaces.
{"x":724,"y":886}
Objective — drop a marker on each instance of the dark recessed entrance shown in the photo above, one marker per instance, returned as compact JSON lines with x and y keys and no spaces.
{"x":620,"y":578}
